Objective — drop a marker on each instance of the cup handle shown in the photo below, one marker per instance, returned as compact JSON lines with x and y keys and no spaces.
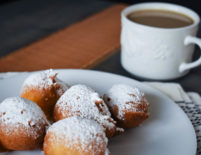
{"x":186,"y":66}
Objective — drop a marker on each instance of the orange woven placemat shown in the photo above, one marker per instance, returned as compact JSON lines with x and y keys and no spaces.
{"x":81,"y":45}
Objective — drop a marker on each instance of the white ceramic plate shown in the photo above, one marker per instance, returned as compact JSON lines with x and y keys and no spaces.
{"x":168,"y":131}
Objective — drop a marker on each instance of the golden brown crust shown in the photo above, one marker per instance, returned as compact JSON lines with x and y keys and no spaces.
{"x":52,"y":147}
{"x":44,"y":88}
{"x":21,"y":137}
{"x":75,"y":136}
{"x":130,"y":118}
{"x":58,"y":114}
{"x":45,"y":98}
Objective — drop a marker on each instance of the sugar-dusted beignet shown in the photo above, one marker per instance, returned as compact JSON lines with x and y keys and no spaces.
{"x":75,"y":136}
{"x":127,"y":104}
{"x":22,"y":124}
{"x":81,"y":100}
{"x":44,"y":88}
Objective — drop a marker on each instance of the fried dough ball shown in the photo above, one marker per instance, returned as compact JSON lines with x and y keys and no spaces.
{"x":44,"y":88}
{"x":127,"y":104}
{"x":22,"y":124}
{"x":75,"y":136}
{"x":80,"y":100}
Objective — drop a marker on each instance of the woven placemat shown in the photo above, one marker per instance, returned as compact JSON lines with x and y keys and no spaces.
{"x":81,"y":45}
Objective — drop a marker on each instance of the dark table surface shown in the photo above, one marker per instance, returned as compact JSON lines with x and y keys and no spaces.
{"x":22,"y":22}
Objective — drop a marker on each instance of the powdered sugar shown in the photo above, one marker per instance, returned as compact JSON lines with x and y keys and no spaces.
{"x":44,"y":80}
{"x":82,"y":134}
{"x":62,"y":86}
{"x":83,"y":101}
{"x":124,"y":97}
{"x":15,"y":111}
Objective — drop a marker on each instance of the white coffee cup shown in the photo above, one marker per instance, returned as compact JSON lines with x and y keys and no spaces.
{"x":158,"y":53}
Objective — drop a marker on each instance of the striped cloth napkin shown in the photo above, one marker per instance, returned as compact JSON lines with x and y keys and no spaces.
{"x":190,"y":102}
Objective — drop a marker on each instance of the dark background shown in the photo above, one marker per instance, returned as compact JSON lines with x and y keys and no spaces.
{"x":193,"y":4}
{"x":25,"y":21}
